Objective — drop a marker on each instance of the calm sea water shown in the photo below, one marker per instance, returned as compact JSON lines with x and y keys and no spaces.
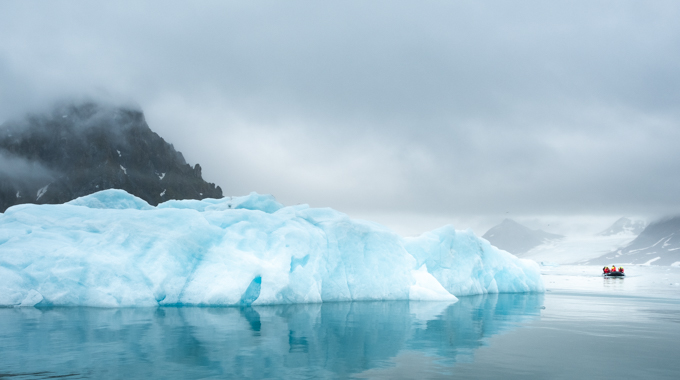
{"x":526,"y":336}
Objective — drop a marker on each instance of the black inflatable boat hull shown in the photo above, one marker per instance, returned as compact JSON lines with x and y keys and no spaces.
{"x":614,"y":274}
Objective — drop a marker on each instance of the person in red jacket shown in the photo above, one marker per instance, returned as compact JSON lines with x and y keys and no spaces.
{"x":621,"y":269}
{"x":606,"y":270}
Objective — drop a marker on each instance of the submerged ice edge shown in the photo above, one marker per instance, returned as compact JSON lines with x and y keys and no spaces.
{"x":111,"y":249}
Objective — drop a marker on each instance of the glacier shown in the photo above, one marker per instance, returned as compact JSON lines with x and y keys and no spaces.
{"x":112,"y":249}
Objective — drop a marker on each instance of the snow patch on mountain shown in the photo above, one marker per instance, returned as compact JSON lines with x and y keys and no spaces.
{"x":658,"y":244}
{"x":41,"y":192}
{"x":624,"y":226}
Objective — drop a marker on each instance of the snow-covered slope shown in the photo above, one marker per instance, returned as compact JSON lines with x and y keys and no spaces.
{"x":576,"y":249}
{"x":112,"y":249}
{"x":516,"y":238}
{"x":624,"y":226}
{"x":581,"y":249}
{"x":658,"y":244}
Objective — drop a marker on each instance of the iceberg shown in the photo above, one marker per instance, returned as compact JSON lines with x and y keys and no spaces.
{"x":112,"y":249}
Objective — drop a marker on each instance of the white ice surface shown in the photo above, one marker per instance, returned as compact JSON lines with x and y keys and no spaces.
{"x":427,"y":287}
{"x":32,"y":299}
{"x":112,"y":249}
{"x":640,"y":281}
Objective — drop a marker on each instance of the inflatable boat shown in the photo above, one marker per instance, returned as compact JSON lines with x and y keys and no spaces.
{"x":614,"y":274}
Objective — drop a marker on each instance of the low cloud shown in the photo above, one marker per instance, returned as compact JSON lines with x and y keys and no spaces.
{"x":23,"y":171}
{"x":443,"y":109}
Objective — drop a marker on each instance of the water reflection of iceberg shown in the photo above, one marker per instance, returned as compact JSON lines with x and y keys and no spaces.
{"x":467,"y":325}
{"x":315,"y":340}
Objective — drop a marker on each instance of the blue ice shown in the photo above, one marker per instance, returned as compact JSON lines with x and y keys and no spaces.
{"x":112,"y":249}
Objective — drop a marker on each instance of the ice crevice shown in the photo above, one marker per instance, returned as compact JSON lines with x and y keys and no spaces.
{"x":111,"y":249}
{"x":252,"y":292}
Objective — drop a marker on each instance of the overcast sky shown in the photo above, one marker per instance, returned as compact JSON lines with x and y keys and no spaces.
{"x":413,"y":113}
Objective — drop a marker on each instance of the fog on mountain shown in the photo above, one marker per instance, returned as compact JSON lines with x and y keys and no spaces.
{"x":516,"y":238}
{"x":78,"y":149}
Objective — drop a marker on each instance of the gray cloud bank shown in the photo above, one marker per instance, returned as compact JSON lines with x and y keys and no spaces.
{"x":437,"y":108}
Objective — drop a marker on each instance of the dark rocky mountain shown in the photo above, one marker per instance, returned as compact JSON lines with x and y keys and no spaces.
{"x":624,"y":226}
{"x":658,"y":244}
{"x":516,"y":238}
{"x":76,"y":150}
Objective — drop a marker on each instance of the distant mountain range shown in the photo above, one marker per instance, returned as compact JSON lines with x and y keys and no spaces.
{"x":76,"y":150}
{"x":658,"y":244}
{"x":624,"y":226}
{"x":516,"y":238}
